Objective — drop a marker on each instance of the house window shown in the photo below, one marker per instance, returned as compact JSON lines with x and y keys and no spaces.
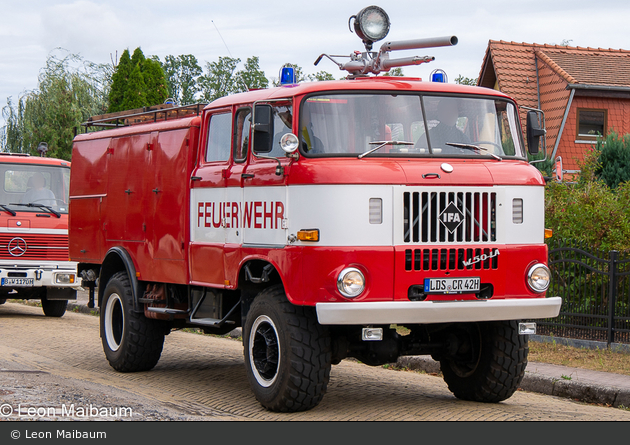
{"x":591,"y":124}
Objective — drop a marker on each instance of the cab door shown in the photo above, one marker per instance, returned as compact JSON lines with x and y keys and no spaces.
{"x":265,"y":191}
{"x":208,"y":199}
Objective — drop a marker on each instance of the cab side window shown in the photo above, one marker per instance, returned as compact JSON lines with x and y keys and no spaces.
{"x":242,"y":133}
{"x":219,"y":137}
{"x":282,"y":123}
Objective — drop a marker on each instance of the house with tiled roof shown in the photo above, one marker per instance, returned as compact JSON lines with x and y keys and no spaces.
{"x":583,"y":92}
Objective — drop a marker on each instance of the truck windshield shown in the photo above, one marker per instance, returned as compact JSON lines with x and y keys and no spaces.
{"x":34,"y":188}
{"x":407,"y":125}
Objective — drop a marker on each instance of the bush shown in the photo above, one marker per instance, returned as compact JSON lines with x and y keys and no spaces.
{"x":596,"y":209}
{"x":613,"y":166}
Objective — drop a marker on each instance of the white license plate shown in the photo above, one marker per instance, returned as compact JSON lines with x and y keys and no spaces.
{"x":451,"y":285}
{"x":18,"y":282}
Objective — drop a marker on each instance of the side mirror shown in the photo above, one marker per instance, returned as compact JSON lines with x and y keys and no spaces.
{"x":263,"y":128}
{"x":534,"y":132}
{"x":559,"y":172}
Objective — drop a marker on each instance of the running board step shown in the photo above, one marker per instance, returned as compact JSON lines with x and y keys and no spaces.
{"x":166,"y":310}
{"x":210,"y":321}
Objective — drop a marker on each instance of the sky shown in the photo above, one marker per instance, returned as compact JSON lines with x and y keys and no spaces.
{"x":280,"y":32}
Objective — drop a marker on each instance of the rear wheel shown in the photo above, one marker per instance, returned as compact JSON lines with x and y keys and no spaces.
{"x":489,"y":364}
{"x":54,"y":308}
{"x":131,"y":341}
{"x":287,"y":353}
{"x":3,"y":300}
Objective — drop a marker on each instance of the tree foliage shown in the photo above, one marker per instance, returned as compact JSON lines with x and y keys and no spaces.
{"x":461,"y":80}
{"x":182,"y":73}
{"x":137,"y":82}
{"x":320,"y":76}
{"x":251,"y":76}
{"x":395,"y":72}
{"x":222,"y":78}
{"x":70,"y":90}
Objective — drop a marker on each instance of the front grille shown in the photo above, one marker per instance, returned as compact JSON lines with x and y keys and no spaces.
{"x":449,"y":217}
{"x":38,"y":247}
{"x":451,"y":259}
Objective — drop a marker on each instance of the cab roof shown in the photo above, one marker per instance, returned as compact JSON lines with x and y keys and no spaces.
{"x":22,"y":158}
{"x":380,"y":83}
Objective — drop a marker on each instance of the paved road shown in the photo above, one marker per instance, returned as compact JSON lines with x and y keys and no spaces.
{"x":204,"y":378}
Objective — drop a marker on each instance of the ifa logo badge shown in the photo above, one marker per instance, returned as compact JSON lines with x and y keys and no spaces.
{"x":451,"y":217}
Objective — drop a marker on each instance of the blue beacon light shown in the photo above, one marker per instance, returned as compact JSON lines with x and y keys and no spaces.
{"x":287,"y":75}
{"x":439,"y":76}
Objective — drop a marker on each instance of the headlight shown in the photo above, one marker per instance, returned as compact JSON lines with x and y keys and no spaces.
{"x":351,"y":282}
{"x":289,"y":143}
{"x":539,"y":277}
{"x":64,"y":278}
{"x":371,"y":24}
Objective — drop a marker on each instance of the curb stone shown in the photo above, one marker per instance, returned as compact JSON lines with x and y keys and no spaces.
{"x":543,"y":384}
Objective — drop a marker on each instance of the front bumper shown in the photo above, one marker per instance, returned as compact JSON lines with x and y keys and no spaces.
{"x":425,"y":312}
{"x":44,"y":274}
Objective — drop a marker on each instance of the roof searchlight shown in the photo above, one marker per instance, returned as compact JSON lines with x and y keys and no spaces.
{"x":372,"y":24}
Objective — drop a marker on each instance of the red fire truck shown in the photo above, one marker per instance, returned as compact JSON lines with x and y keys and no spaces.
{"x":34,"y":260}
{"x":373,"y":217}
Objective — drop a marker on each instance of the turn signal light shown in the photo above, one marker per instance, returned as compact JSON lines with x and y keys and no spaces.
{"x":308,"y":235}
{"x":548,"y":233}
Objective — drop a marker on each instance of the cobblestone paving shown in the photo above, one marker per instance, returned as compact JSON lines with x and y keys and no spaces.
{"x":204,"y":377}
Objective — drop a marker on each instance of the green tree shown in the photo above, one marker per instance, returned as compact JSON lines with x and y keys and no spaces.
{"x":465,"y":80}
{"x":69,"y":91}
{"x":137,"y":82}
{"x":135,"y":91}
{"x":395,"y":72}
{"x":320,"y":76}
{"x":156,"y":85}
{"x":181,"y":74}
{"x":219,"y":79}
{"x":119,"y":82}
{"x":251,"y":77}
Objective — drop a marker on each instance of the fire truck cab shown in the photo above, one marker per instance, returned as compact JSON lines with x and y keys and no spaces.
{"x":372,"y":217}
{"x":34,"y":260}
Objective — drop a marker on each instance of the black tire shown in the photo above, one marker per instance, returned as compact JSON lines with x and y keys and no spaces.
{"x":287,"y":353}
{"x":131,"y":342}
{"x":54,"y":308}
{"x":3,"y":300}
{"x":493,"y":366}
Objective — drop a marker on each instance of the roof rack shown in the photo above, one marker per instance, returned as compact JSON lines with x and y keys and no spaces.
{"x":13,"y":154}
{"x":154,"y":113}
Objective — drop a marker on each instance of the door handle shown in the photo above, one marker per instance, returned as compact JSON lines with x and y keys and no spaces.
{"x":247,"y":175}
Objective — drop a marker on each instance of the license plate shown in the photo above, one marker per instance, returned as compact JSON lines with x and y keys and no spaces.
{"x":17,"y":282}
{"x":451,"y":285}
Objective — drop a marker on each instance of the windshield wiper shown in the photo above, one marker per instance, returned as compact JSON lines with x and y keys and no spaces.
{"x":473,"y":147}
{"x":39,"y":206}
{"x":381,"y":144}
{"x":8,"y":210}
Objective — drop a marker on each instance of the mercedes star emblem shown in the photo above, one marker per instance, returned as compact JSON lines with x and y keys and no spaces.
{"x":17,"y":247}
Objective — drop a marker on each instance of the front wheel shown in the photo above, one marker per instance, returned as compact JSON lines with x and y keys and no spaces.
{"x":490,"y":362}
{"x":54,"y":308}
{"x":3,"y":300}
{"x":287,"y":353}
{"x":131,"y":341}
